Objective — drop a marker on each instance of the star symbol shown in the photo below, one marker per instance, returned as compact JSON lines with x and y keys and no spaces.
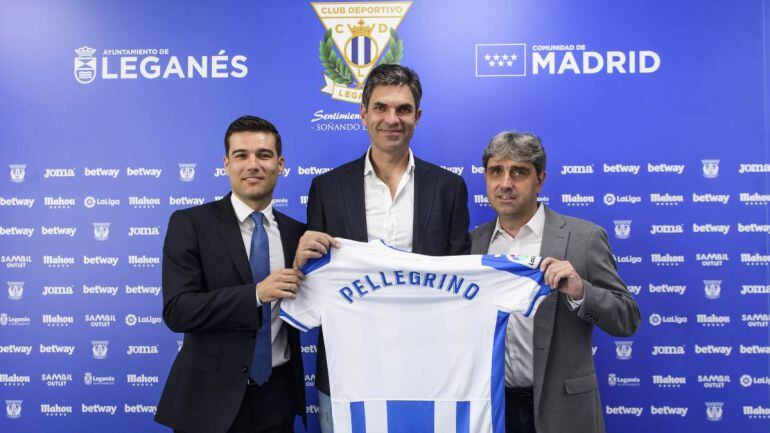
{"x":509,"y":63}
{"x":487,"y":57}
{"x":496,"y":57}
{"x":514,"y":57}
{"x":500,"y":63}
{"x":492,"y":64}
{"x":505,"y":56}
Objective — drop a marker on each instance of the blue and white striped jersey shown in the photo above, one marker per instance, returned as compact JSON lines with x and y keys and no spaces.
{"x":414,"y":343}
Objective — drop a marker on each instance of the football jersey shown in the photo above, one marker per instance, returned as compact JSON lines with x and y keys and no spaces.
{"x":414,"y":343}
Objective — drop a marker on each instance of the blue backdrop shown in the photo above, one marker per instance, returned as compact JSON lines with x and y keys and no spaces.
{"x":654,"y":116}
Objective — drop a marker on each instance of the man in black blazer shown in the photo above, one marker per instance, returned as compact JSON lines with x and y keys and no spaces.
{"x":224,"y":270}
{"x":386,"y":194}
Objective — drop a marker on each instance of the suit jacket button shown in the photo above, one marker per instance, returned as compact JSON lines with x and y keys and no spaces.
{"x":244,"y":369}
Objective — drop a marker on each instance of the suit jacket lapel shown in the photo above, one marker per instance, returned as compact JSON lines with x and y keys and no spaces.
{"x":482,"y":237}
{"x":424,"y":194}
{"x":554,"y":244}
{"x":229,"y":229}
{"x":288,"y":238}
{"x":352,"y":186}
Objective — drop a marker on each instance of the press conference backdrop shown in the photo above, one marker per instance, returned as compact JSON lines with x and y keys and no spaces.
{"x":653,"y":114}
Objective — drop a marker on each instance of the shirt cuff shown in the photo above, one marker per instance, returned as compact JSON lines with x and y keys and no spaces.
{"x":573,"y":304}
{"x":256,"y":294}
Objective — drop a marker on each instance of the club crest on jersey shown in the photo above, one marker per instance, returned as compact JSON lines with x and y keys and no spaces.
{"x":18,"y":172}
{"x":622,"y":229}
{"x":187,"y":172}
{"x":99,"y":349}
{"x":713,"y":288}
{"x":623,"y":349}
{"x":101,"y":231}
{"x":361,"y":34}
{"x":15,"y":290}
{"x":13,"y":408}
{"x":85,"y":65}
{"x":710,"y":168}
{"x":714,"y":410}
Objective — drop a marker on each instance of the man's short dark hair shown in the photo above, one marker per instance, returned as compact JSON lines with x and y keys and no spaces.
{"x":252,"y":124}
{"x":392,"y":75}
{"x":518,"y":146}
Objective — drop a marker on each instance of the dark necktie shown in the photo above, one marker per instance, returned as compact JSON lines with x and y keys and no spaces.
{"x":259,"y":260}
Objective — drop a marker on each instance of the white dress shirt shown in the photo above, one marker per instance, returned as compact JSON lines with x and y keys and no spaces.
{"x":389,"y":219}
{"x":279,"y":336}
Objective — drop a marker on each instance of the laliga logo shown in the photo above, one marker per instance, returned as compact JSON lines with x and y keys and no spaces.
{"x":15,"y":290}
{"x":714,"y":410}
{"x":99,"y":349}
{"x":187,"y":172}
{"x":85,"y":65}
{"x":710,"y":168}
{"x":623,"y":350}
{"x":622,"y":229}
{"x":101,"y":231}
{"x":655,"y":319}
{"x":131,"y":320}
{"x":13,"y":408}
{"x":713,"y":288}
{"x":18,"y":171}
{"x":746,"y":381}
{"x":361,"y":32}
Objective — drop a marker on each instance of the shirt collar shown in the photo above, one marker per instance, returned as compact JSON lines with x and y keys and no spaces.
{"x":242,"y":210}
{"x":369,"y":169}
{"x":536,"y":224}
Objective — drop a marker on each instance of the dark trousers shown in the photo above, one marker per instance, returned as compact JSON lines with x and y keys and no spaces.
{"x":266,"y":408}
{"x":519,"y":410}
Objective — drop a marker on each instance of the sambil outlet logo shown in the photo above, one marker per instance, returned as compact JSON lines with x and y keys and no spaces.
{"x":154,"y":63}
{"x":361,"y":34}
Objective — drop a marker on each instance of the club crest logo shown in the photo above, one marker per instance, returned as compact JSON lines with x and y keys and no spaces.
{"x":612,"y":379}
{"x":18,"y":172}
{"x":714,"y":410}
{"x":101,"y":231}
{"x":88,"y":378}
{"x":623,"y":349}
{"x":622,"y":229}
{"x":85,"y":65}
{"x":187,"y":172}
{"x":710,"y":168}
{"x":713,"y":288}
{"x":361,"y":34}
{"x":15,"y":290}
{"x":13,"y":408}
{"x":99,"y":349}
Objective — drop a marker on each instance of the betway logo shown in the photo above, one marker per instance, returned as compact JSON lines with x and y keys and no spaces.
{"x":17,"y":202}
{"x":138,"y":408}
{"x":577,"y":169}
{"x":667,"y":288}
{"x":711,"y":228}
{"x":185,"y":201}
{"x":311,"y":171}
{"x":754,"y":350}
{"x":635,"y":290}
{"x":101,"y":172}
{"x":710,"y":198}
{"x":665,"y":168}
{"x":713,"y":350}
{"x":58,"y":231}
{"x":666,"y":229}
{"x":59,"y":172}
{"x":623,"y":410}
{"x":145,"y":172}
{"x":17,"y":231}
{"x":458,"y":170}
{"x":621,"y":168}
{"x":100,"y":260}
{"x":667,"y":350}
{"x":668,"y":410}
{"x":14,"y":349}
{"x":57,"y":349}
{"x":98,"y":408}
{"x":753,"y":228}
{"x":143,"y":290}
{"x":100,"y":290}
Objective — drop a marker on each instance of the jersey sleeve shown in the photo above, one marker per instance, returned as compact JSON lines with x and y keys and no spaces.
{"x":304,"y":311}
{"x":519,"y":285}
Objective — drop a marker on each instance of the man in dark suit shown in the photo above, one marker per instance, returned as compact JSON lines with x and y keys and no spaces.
{"x":226,"y":265}
{"x":550,"y":379}
{"x":386,"y":194}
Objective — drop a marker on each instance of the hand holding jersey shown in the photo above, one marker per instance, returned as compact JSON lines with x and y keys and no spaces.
{"x":427,"y":333}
